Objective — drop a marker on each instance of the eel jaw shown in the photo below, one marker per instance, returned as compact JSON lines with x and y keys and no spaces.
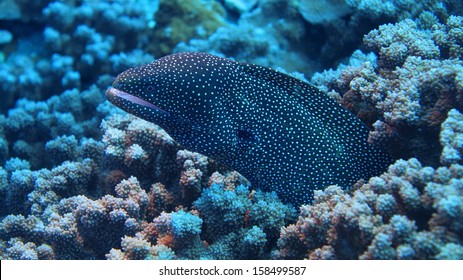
{"x":113,"y":94}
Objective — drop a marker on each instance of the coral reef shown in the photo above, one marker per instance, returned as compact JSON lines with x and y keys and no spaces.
{"x":342,"y":23}
{"x":79,"y":40}
{"x":83,"y":209}
{"x":78,"y":227}
{"x":406,"y":93}
{"x":61,"y":126}
{"x":80,"y":179}
{"x":451,"y":138}
{"x":179,"y":21}
{"x":410,"y":212}
{"x":408,"y":90}
{"x":260,"y":36}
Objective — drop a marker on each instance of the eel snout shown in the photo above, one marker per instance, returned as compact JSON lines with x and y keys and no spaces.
{"x":114,"y":95}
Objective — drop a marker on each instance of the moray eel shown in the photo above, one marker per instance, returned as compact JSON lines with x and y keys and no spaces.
{"x":282,"y":134}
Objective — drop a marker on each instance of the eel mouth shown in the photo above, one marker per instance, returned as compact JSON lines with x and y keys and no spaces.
{"x":114,"y":95}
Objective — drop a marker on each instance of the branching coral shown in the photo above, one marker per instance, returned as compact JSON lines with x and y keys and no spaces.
{"x":136,"y":147}
{"x":410,"y":212}
{"x":35,"y":129}
{"x":451,"y":138}
{"x":407,"y":95}
{"x":81,"y":41}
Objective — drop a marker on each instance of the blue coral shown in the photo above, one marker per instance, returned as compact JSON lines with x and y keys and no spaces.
{"x":411,"y":189}
{"x":220,"y":206}
{"x":185,"y":225}
{"x":237,"y":216}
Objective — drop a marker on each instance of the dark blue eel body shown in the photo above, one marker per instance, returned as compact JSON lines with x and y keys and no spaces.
{"x":282,"y":134}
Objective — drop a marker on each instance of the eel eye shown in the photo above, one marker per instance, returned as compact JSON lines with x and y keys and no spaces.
{"x":246,"y":136}
{"x":149,"y":88}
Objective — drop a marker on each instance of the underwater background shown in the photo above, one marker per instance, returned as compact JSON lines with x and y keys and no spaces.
{"x":82,"y":179}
